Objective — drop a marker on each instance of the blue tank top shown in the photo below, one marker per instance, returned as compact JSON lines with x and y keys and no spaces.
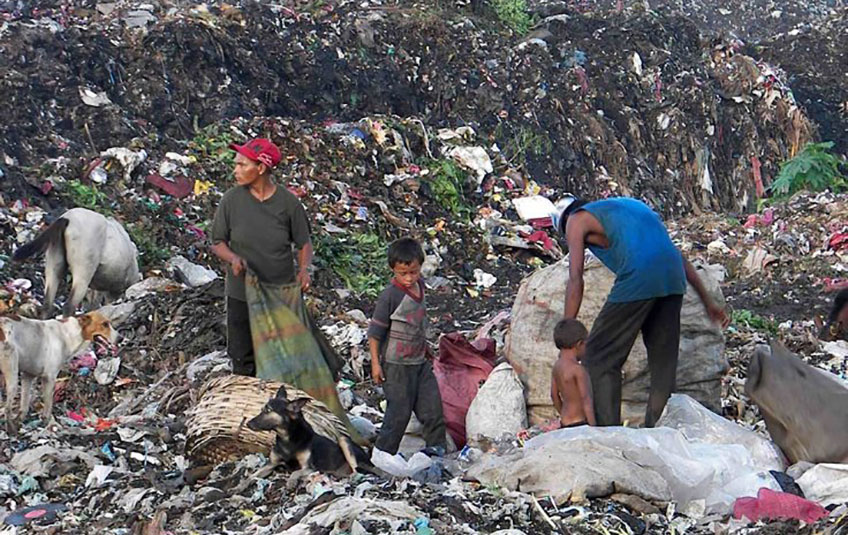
{"x":645,"y":261}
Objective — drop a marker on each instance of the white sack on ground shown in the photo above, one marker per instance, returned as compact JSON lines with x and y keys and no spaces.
{"x":498,"y":408}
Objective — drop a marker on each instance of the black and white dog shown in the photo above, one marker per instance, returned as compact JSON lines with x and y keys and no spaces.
{"x":299,"y":447}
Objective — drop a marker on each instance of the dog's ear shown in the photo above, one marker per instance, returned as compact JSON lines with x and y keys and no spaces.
{"x":281,"y":393}
{"x":294,"y":407}
{"x":277,"y":405}
{"x":84,"y":320}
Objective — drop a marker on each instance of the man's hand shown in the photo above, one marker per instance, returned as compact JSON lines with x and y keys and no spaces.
{"x":718,"y":314}
{"x":304,"y":279}
{"x":377,"y":373}
{"x":238,"y":265}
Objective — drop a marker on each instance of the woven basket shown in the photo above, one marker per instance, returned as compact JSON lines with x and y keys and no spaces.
{"x":216,"y":428}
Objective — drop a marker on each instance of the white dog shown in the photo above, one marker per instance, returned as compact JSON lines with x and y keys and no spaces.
{"x":96,"y":249}
{"x":39,"y":348}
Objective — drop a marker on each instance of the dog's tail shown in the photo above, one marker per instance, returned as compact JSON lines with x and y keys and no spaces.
{"x":53,"y":234}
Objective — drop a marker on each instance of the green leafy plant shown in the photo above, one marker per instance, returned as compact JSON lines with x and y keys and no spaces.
{"x":447,"y":180}
{"x":746,"y":318}
{"x":513,"y":14}
{"x":212,"y":142}
{"x":814,"y":169}
{"x":86,"y":196}
{"x":149,"y":251}
{"x":521,"y":143}
{"x":359,"y":260}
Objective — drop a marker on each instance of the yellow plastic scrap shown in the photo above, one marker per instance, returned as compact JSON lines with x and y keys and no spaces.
{"x":202,"y":187}
{"x":378,"y":131}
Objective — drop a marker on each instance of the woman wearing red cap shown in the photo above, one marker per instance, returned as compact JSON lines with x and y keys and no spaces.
{"x":256,"y":225}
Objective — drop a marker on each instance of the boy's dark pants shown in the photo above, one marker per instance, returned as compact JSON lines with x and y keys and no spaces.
{"x":609,"y":345}
{"x":239,"y":341}
{"x":407,"y":389}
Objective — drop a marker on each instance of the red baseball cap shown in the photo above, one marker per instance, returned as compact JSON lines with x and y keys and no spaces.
{"x":259,"y":150}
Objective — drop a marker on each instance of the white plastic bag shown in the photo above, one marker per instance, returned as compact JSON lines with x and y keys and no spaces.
{"x":825,"y":483}
{"x":396,"y":465}
{"x":699,"y":424}
{"x":714,"y":473}
{"x":498,"y":408}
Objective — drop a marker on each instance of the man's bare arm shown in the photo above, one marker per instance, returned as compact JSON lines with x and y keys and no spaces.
{"x":575,"y":235}
{"x":585,"y":387}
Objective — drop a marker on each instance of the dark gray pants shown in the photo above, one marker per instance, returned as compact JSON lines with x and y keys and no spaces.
{"x":609,"y":345}
{"x":411,"y":389}
{"x":239,"y":341}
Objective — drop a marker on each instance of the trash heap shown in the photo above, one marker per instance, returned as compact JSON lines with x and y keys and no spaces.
{"x":784,"y":266}
{"x":567,"y":106}
{"x":814,"y":58}
{"x":392,"y":120}
{"x":750,"y":22}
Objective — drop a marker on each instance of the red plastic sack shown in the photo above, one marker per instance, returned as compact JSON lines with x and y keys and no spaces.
{"x":460,"y":369}
{"x":773,"y":505}
{"x":179,"y":187}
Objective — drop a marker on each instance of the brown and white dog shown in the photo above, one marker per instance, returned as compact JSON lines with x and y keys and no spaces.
{"x":96,"y":249}
{"x":39,"y":348}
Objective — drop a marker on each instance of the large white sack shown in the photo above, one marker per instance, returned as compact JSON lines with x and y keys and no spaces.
{"x":540,"y":303}
{"x":570,"y":471}
{"x":498,"y":408}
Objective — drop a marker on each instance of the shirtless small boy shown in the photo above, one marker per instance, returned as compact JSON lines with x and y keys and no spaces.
{"x":571,"y":389}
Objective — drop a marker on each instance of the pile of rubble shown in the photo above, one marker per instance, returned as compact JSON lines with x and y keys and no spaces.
{"x":814,"y":59}
{"x":567,"y":106}
{"x":392,"y":119}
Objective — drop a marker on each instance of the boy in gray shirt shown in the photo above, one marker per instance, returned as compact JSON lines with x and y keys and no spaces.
{"x":397,"y":337}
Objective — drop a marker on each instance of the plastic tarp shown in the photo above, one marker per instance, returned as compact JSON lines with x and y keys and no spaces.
{"x":658,"y":464}
{"x":699,"y":424}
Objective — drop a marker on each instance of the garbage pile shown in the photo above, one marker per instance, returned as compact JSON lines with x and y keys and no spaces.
{"x":567,"y":106}
{"x":750,"y":22}
{"x":387,"y":126}
{"x":814,"y":58}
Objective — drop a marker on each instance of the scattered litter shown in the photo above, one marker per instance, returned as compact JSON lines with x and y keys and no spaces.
{"x":38,"y":514}
{"x":107,"y":370}
{"x":189,"y":273}
{"x":94,"y":98}
{"x":483,"y":279}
